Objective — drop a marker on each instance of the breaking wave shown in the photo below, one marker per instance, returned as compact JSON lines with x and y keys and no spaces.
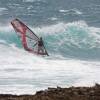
{"x":75,"y":39}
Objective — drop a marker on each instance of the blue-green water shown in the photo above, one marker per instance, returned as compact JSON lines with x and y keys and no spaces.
{"x":71,"y":32}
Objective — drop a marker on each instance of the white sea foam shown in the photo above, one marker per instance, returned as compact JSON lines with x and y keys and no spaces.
{"x":3,"y":9}
{"x":22,"y":72}
{"x":74,"y":10}
{"x":29,"y":0}
{"x":32,"y":0}
{"x":63,"y":10}
{"x":53,"y":18}
{"x":8,"y":28}
{"x":62,"y":27}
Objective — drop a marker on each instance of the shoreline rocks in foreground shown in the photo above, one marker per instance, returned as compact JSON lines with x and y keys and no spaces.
{"x":71,"y":93}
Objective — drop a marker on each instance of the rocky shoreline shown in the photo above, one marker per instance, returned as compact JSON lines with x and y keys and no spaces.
{"x":71,"y":93}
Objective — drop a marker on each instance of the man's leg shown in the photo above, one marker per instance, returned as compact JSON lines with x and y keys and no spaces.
{"x":38,"y":49}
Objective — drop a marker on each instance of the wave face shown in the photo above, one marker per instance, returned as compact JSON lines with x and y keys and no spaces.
{"x":72,"y":37}
{"x":66,"y":40}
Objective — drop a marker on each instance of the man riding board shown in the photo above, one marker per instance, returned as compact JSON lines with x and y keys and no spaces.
{"x":40,"y":46}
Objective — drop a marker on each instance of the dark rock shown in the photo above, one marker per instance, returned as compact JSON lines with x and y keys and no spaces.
{"x":72,"y":93}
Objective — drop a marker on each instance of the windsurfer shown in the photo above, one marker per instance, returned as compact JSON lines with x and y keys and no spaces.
{"x":40,"y":46}
{"x":30,"y":41}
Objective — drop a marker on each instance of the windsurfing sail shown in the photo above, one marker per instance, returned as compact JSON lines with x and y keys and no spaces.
{"x":28,"y":38}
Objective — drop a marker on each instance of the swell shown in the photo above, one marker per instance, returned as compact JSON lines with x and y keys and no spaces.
{"x":75,"y":39}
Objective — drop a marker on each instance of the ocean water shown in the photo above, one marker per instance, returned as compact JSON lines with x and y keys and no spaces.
{"x":71,"y":32}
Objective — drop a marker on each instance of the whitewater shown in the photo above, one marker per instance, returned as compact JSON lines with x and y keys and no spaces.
{"x":25,"y":73}
{"x":71,"y":34}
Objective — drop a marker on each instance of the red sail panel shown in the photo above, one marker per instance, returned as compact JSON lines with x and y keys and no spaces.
{"x":28,"y":38}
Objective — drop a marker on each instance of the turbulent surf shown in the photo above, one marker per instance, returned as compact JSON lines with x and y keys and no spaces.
{"x":71,"y":34}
